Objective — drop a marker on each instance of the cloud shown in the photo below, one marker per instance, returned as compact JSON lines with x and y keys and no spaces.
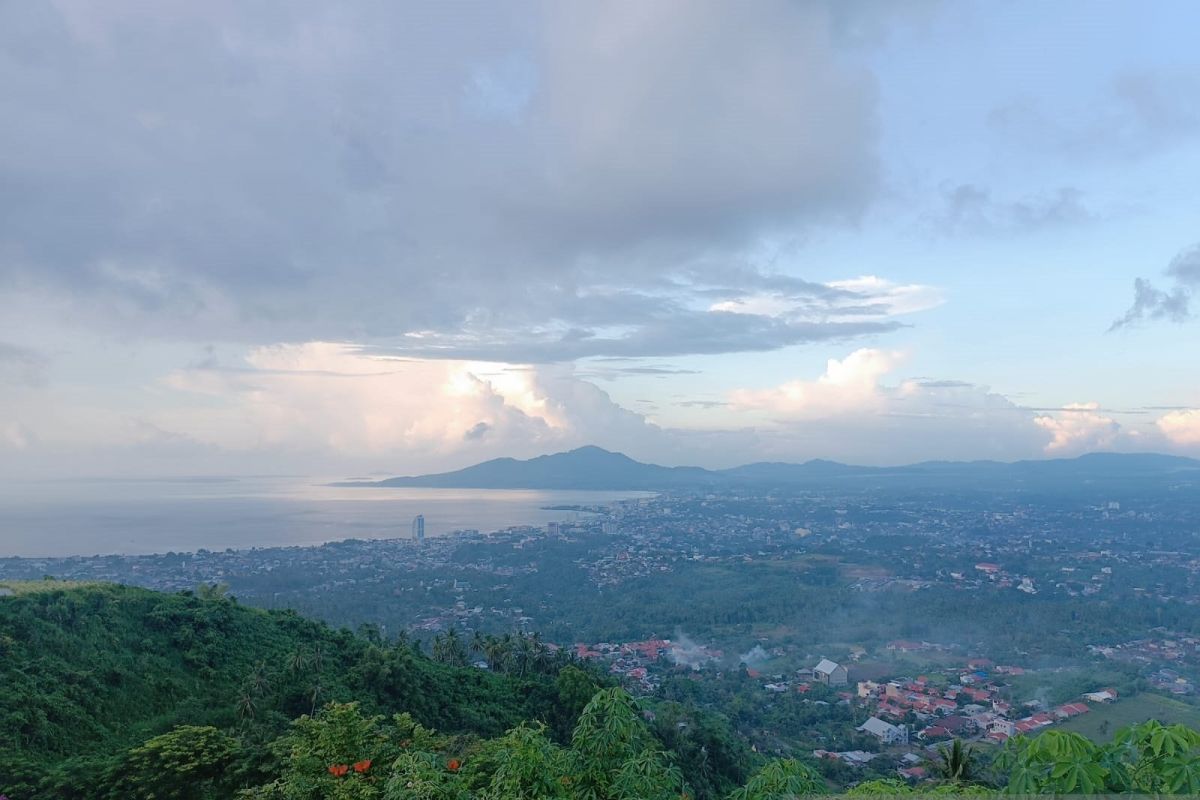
{"x":15,"y":436}
{"x":328,"y":398}
{"x":848,"y":387}
{"x":477,"y":431}
{"x":21,"y":365}
{"x":1174,"y":304}
{"x":846,"y":412}
{"x":1136,"y":115}
{"x":970,"y":209}
{"x":1079,"y":428}
{"x":1181,"y":428}
{"x":448,"y":176}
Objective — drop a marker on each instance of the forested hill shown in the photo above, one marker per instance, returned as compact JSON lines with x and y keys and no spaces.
{"x":91,"y":670}
{"x":115,"y":693}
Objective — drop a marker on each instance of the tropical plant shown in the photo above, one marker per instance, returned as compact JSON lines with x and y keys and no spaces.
{"x":781,"y":779}
{"x":1147,"y":758}
{"x":955,"y":762}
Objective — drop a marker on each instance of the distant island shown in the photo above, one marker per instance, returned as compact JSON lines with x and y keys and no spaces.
{"x":594,"y":468}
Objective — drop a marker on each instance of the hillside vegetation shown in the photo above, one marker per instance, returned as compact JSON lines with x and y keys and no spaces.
{"x":113,"y":692}
{"x":91,"y":670}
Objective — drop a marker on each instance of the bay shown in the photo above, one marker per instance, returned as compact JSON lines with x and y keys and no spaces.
{"x":65,"y":518}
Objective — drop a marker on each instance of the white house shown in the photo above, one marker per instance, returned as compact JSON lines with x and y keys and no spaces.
{"x":831,"y":673}
{"x":884,"y":731}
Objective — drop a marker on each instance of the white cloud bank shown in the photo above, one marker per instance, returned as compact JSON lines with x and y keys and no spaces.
{"x":1181,"y":427}
{"x":329,"y":408}
{"x":851,"y":409}
{"x":328,"y":397}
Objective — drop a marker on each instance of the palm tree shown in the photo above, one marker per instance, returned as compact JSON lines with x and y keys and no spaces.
{"x":298,"y":660}
{"x":954,"y":762}
{"x":258,"y":682}
{"x":493,"y":651}
{"x":523,"y":654}
{"x":455,"y":652}
{"x":507,"y":649}
{"x":477,"y":642}
{"x":246,"y":706}
{"x":316,"y":693}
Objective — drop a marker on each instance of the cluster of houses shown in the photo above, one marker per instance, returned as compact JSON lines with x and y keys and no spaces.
{"x":634,"y":660}
{"x":1175,"y":654}
{"x":972,"y":707}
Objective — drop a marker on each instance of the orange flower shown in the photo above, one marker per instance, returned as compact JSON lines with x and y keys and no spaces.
{"x":362,"y":766}
{"x":338,"y":770}
{"x":453,"y":764}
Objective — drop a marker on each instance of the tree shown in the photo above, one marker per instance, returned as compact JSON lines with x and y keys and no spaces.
{"x":954,"y":763}
{"x":338,"y":754}
{"x":188,"y":763}
{"x":781,"y":779}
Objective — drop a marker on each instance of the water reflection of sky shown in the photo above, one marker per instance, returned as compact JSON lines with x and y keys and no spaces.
{"x":55,"y":518}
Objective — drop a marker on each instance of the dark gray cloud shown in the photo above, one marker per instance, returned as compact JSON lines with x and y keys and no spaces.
{"x":1174,"y":303}
{"x":676,"y":332}
{"x":294,"y":171}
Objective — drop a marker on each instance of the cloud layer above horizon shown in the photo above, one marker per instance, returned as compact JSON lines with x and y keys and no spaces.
{"x":411,"y":236}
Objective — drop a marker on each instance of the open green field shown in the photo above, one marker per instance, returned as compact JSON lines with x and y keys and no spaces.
{"x":1131,"y":710}
{"x":34,"y":587}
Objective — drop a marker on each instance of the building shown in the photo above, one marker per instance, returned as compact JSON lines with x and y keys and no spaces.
{"x":884,"y":731}
{"x":418,"y":528}
{"x":831,"y":673}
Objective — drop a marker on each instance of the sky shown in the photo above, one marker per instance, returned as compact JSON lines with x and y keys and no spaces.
{"x":385,"y":238}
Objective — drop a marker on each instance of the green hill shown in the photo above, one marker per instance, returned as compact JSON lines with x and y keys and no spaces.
{"x":116,"y":693}
{"x":91,"y":670}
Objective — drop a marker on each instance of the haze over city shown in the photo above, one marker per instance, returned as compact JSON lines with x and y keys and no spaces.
{"x":402,"y":238}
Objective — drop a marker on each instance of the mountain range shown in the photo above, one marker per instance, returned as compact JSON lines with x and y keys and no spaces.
{"x":596,"y":468}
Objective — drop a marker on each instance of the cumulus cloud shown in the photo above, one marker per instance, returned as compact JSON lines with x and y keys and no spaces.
{"x":328,"y":398}
{"x":1078,"y":428}
{"x":849,"y":409}
{"x":445,"y":176}
{"x":1181,"y":427}
{"x":1174,"y":303}
{"x":849,"y":386}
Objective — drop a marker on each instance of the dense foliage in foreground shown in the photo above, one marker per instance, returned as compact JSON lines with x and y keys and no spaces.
{"x":122,"y":693}
{"x":93,"y":673}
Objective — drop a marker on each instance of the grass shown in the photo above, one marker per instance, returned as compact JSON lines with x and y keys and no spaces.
{"x":1128,"y":711}
{"x":36,"y":587}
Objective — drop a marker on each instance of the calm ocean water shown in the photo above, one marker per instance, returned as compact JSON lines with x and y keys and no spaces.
{"x":58,"y":518}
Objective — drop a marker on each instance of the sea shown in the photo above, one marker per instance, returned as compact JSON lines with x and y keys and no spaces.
{"x":102,"y":517}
